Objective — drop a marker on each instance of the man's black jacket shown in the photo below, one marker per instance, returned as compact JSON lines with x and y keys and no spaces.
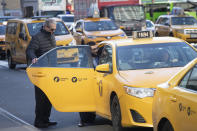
{"x":40,"y":43}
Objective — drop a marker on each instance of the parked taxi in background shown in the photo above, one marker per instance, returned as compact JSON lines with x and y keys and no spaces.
{"x":181,"y":26}
{"x":120,"y":87}
{"x":19,"y":33}
{"x":2,"y":41}
{"x":175,"y":101}
{"x":96,"y":30}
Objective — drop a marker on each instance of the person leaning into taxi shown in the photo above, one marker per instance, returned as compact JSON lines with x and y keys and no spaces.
{"x":40,"y":43}
{"x":95,"y":57}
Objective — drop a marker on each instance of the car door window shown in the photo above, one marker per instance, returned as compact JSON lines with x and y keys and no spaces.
{"x":23,"y":31}
{"x":106,"y":55}
{"x":66,"y":57}
{"x":192,"y":82}
{"x":78,"y":25}
{"x":190,"y":79}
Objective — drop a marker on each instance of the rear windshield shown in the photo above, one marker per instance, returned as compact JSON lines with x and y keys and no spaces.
{"x":34,"y":28}
{"x":150,"y":56}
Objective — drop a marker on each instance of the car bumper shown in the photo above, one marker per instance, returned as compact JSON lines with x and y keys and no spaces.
{"x":188,"y":37}
{"x":136,"y":111}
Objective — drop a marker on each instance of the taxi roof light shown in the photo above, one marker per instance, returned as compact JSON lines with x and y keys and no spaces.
{"x":142,"y":34}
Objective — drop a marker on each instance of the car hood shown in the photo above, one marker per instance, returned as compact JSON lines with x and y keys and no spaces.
{"x":2,"y":37}
{"x":105,"y":33}
{"x":184,"y":27}
{"x":63,"y":39}
{"x":148,"y":78}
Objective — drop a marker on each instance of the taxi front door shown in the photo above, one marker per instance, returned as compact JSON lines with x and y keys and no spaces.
{"x":184,"y":99}
{"x":66,"y":76}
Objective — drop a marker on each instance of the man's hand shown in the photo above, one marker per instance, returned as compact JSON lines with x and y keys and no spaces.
{"x":34,"y":60}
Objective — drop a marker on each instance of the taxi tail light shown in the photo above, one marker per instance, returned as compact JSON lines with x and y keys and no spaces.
{"x":137,"y":117}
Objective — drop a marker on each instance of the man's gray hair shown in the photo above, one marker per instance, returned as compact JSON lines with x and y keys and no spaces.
{"x":49,"y":21}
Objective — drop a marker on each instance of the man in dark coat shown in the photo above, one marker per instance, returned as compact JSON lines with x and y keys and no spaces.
{"x":42,"y":42}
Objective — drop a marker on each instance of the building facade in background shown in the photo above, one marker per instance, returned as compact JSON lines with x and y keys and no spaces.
{"x":10,"y":8}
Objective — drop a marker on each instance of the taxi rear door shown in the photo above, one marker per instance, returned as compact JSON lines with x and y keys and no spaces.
{"x":66,"y":76}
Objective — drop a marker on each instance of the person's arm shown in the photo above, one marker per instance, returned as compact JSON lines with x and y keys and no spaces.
{"x":31,"y":50}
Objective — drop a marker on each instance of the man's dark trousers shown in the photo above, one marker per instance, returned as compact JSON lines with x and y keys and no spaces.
{"x":43,"y":106}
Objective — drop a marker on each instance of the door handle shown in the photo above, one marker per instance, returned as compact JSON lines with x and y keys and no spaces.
{"x":173,"y":99}
{"x":39,"y":74}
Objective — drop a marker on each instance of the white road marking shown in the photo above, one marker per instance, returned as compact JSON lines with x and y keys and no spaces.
{"x":3,"y":63}
{"x":16,"y":119}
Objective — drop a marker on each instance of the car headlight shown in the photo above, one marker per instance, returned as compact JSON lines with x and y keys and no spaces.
{"x":73,"y":42}
{"x":122,"y":35}
{"x":182,"y":31}
{"x":91,"y":37}
{"x":140,"y":92}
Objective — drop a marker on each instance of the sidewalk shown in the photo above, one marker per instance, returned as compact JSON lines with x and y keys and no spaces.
{"x":9,"y":122}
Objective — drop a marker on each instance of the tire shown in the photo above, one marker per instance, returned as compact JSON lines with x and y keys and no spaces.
{"x":116,"y":114}
{"x":167,"y":127}
{"x":10,"y":62}
{"x":88,"y":117}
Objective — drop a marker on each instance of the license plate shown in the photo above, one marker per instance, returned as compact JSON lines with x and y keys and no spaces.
{"x":193,"y":35}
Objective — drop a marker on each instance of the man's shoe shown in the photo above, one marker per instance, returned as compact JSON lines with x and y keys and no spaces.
{"x":41,"y":125}
{"x":51,"y":123}
{"x":80,"y":124}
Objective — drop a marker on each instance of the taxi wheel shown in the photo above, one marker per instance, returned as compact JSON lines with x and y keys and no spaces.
{"x":116,"y":114}
{"x":88,"y":117}
{"x":167,"y":127}
{"x":10,"y":62}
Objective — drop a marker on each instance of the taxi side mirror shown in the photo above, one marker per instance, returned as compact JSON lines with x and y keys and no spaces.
{"x":104,"y":68}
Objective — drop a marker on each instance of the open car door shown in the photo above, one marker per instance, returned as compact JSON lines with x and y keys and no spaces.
{"x":66,"y":76}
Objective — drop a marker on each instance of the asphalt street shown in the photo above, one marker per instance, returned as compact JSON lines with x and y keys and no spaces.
{"x":17,"y":105}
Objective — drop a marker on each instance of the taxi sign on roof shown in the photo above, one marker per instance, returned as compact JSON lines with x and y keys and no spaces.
{"x":142,"y":34}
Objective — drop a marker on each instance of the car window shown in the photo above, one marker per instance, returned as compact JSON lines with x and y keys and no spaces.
{"x":184,"y":81}
{"x":150,"y":56}
{"x":78,"y":25}
{"x":106,"y":55}
{"x":68,"y":18}
{"x":164,"y":21}
{"x":2,"y":30}
{"x":66,"y":57}
{"x":34,"y":28}
{"x":149,"y":24}
{"x":192,"y":81}
{"x":11,"y":27}
{"x":100,"y":26}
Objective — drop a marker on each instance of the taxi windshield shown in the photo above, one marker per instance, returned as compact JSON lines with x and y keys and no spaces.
{"x":151,"y":56}
{"x":34,"y":28}
{"x":100,"y":25}
{"x":184,"y":21}
{"x":68,"y":18}
{"x":2,"y":30}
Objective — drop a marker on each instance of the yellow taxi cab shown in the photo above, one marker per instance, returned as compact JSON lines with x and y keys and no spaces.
{"x":19,"y":33}
{"x":96,"y":30}
{"x":175,"y":101}
{"x":181,"y":26}
{"x":121,"y":87}
{"x":2,"y":41}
